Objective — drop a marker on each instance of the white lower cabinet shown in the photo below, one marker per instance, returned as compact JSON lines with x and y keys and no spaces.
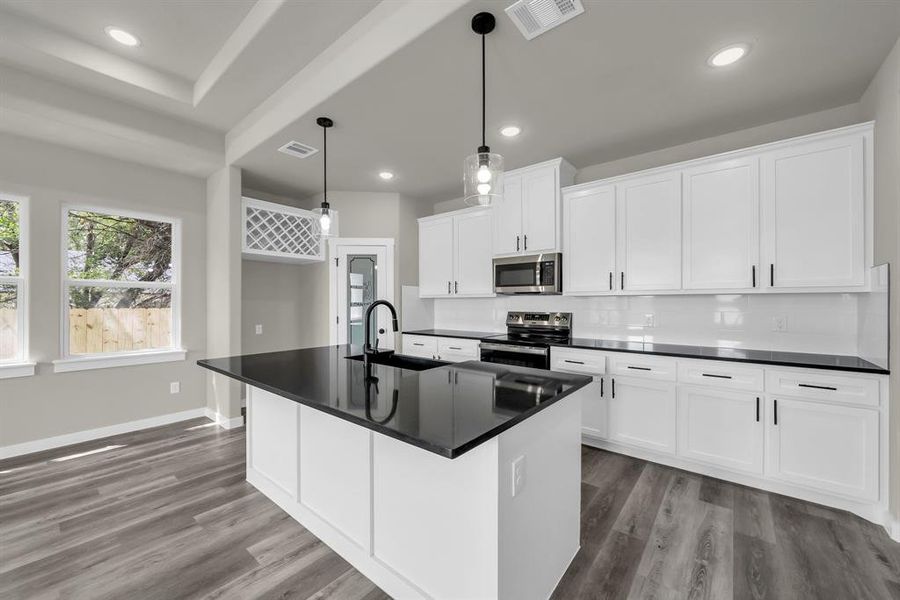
{"x":423,"y":346}
{"x":642,"y":413}
{"x":824,"y":446}
{"x":720,"y":427}
{"x":441,"y":348}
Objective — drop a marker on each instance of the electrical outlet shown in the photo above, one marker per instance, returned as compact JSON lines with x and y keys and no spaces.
{"x":518,"y":475}
{"x":649,"y":320}
{"x":779,"y":324}
{"x":175,"y":387}
{"x":258,"y":329}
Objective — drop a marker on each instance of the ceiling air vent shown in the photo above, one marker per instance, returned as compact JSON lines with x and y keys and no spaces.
{"x":297,"y":149}
{"x":534,"y":17}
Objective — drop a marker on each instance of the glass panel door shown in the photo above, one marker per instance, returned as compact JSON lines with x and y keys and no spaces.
{"x":362,"y":270}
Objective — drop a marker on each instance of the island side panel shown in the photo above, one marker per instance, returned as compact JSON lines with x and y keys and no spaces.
{"x":335,"y":468}
{"x":435,"y":519}
{"x":272,"y":430}
{"x":540,"y":526}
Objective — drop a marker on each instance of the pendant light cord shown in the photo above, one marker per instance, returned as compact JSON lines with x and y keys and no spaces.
{"x":483,"y":93}
{"x":325,"y":165}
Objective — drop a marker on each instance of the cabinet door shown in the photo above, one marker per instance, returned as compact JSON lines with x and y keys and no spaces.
{"x":472,"y":246}
{"x":721,"y":427}
{"x":721,"y":225}
{"x":589,"y":241}
{"x":540,"y":214}
{"x":436,"y":257}
{"x":507,"y":218}
{"x":824,"y":446}
{"x":649,"y":232}
{"x":642,"y":413}
{"x":594,"y":409}
{"x":813,"y":199}
{"x":457,"y":350}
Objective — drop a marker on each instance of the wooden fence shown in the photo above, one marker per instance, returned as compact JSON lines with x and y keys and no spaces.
{"x":96,"y":330}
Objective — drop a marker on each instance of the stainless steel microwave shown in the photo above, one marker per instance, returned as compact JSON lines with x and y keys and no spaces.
{"x":533,"y":274}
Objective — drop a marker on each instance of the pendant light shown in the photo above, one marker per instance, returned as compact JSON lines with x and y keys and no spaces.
{"x":324,"y":210}
{"x":483,"y":171}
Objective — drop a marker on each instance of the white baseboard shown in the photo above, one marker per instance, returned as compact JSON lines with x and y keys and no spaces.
{"x":101,"y":432}
{"x":224,"y":422}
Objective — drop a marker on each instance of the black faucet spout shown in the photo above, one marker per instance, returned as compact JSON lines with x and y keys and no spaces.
{"x":367,"y":346}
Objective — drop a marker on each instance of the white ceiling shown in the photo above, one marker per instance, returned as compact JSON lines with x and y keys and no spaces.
{"x":624,"y":78}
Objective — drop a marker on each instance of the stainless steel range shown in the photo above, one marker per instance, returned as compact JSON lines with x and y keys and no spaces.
{"x":528,"y":338}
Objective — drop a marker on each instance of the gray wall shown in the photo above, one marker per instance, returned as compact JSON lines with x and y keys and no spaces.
{"x":51,"y":404}
{"x":881,"y":103}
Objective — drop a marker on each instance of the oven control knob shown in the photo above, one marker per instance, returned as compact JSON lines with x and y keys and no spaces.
{"x":557,"y":318}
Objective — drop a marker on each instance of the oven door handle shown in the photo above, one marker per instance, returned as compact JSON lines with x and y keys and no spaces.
{"x":514,"y":348}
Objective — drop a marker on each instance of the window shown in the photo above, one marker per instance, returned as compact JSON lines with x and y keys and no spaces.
{"x":120,"y":291}
{"x":13,"y":278}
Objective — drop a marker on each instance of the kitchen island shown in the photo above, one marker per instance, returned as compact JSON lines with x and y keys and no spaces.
{"x":457,"y":481}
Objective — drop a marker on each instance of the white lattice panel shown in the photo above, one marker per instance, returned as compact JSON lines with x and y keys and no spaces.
{"x":276,"y":232}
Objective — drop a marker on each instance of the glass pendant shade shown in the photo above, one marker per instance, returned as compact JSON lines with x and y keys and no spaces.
{"x":483,"y":178}
{"x":325,"y":218}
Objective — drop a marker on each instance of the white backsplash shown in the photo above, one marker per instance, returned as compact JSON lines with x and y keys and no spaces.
{"x":818,"y":323}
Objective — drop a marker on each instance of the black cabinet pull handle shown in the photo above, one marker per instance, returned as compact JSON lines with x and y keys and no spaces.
{"x":574,"y":362}
{"x":601,"y":387}
{"x":517,"y":243}
{"x":639,"y":368}
{"x":614,"y":387}
{"x":772,"y":274}
{"x":453,"y":348}
{"x":757,"y":409}
{"x":622,"y":282}
{"x":418,"y":344}
{"x":716,"y":376}
{"x":753,"y":271}
{"x":775,"y":405}
{"x":448,"y":287}
{"x":455,"y":287}
{"x":525,"y":239}
{"x":610,"y":280}
{"x":817,"y":387}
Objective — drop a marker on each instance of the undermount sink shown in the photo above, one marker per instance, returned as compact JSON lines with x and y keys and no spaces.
{"x":399,"y":361}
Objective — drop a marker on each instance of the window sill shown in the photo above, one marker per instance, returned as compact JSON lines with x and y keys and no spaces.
{"x":16,"y":369}
{"x":84,"y":363}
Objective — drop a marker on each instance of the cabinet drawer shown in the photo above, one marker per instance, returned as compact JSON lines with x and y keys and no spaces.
{"x":639,"y":365}
{"x":838,"y":388}
{"x":572,"y":360}
{"x":457,"y":349}
{"x":420,"y":345}
{"x":721,"y":374}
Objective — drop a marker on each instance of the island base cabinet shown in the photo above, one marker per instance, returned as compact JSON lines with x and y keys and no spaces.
{"x":501,"y":521}
{"x":720,"y":427}
{"x":642,"y":413}
{"x":824,"y":446}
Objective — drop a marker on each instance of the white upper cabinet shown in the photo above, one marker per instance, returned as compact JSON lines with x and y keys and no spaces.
{"x":814,"y":223}
{"x":649,"y":232}
{"x":472,"y":243}
{"x":721,"y":225}
{"x":436,"y":257}
{"x":527,"y":219}
{"x":589,"y":241}
{"x":507,"y":221}
{"x":455,"y":254}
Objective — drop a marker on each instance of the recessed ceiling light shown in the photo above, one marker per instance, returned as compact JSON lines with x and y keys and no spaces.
{"x":122,"y":36}
{"x":729,"y":55}
{"x":510,"y":131}
{"x":386,"y":175}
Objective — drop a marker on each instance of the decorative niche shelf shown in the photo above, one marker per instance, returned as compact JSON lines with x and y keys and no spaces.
{"x":279,"y":233}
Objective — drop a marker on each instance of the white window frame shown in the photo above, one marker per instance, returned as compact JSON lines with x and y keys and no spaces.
{"x":79,"y":362}
{"x":20,"y":366}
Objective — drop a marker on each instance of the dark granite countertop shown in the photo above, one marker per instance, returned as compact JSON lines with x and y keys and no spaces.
{"x":455,"y":333}
{"x":832,"y":362}
{"x":447,"y":410}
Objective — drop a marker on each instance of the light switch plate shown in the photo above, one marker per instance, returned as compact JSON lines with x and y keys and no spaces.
{"x":258,"y":329}
{"x":175,"y":387}
{"x":518,"y":475}
{"x":779,"y":324}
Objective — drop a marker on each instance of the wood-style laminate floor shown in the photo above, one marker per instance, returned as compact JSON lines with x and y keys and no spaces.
{"x":168,"y":515}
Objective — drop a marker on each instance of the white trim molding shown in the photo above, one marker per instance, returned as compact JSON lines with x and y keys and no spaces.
{"x":16,"y":369}
{"x":101,"y":361}
{"x":94,"y":434}
{"x":223,"y":421}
